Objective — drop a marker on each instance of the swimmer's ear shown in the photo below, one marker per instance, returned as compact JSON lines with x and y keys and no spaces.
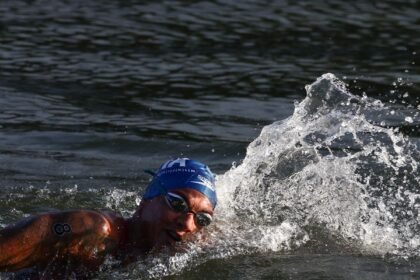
{"x":143,"y":202}
{"x":146,"y":202}
{"x":140,"y":207}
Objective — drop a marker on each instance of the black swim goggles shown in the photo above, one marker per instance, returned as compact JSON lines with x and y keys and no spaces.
{"x":178,"y":204}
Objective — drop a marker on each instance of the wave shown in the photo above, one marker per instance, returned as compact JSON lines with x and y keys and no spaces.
{"x":326,"y":177}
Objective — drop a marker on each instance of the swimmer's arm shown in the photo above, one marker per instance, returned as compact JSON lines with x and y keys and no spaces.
{"x":26,"y":243}
{"x":37,"y":240}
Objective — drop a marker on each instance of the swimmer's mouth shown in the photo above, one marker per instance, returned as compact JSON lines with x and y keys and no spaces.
{"x":174,"y":236}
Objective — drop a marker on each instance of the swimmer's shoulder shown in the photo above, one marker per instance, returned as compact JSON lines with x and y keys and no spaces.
{"x":92,"y":226}
{"x":101,"y":222}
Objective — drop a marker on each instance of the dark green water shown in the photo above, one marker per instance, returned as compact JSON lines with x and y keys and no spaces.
{"x":92,"y":93}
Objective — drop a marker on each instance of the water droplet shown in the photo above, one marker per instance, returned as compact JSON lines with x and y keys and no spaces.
{"x":409,"y":119}
{"x":138,"y":200}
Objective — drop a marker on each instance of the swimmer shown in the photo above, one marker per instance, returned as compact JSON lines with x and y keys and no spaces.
{"x":177,"y":204}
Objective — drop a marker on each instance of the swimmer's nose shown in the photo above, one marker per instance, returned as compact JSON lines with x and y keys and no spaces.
{"x":186,"y":223}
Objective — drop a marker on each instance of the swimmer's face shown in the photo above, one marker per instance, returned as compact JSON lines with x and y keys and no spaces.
{"x":163,"y":226}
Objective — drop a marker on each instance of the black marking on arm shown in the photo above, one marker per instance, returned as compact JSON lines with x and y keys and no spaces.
{"x":61,"y":229}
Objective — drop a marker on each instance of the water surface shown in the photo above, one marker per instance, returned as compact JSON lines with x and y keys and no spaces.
{"x":93,"y":93}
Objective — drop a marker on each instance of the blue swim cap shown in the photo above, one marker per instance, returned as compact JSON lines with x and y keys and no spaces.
{"x":183,"y":173}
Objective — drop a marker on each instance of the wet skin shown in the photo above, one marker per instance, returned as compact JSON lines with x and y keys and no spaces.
{"x":91,"y":235}
{"x":158,"y":225}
